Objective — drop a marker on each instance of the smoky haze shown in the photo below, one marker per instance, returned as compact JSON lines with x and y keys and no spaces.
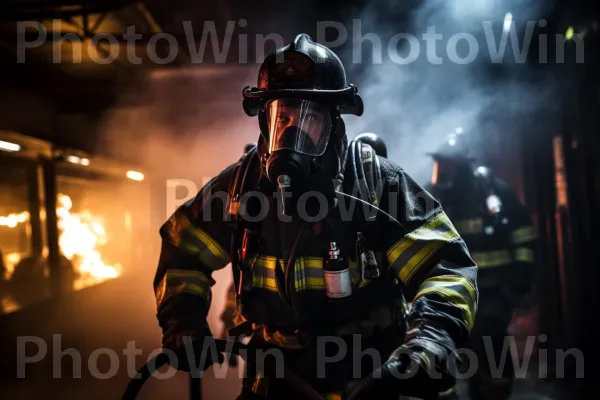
{"x":415,"y":106}
{"x":188,"y":125}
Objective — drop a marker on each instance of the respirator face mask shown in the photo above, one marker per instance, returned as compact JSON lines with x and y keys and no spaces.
{"x":299,"y":131}
{"x":302,"y":126}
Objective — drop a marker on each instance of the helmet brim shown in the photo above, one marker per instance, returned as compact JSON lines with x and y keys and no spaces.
{"x":347,"y":99}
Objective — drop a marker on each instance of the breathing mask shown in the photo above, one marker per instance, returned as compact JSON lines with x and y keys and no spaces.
{"x":299,"y":132}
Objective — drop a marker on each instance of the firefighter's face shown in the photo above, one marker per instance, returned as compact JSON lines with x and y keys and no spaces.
{"x":314,"y":120}
{"x":299,"y":125}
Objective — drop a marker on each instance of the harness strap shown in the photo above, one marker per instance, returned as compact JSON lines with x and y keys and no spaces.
{"x":237,"y":186}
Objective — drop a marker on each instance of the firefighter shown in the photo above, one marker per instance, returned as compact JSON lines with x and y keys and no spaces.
{"x":376,"y":143}
{"x":501,"y":239}
{"x":315,"y":285}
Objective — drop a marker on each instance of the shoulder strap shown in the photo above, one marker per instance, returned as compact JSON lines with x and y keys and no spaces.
{"x":242,"y":171}
{"x":243,"y":174}
{"x":366,"y":169}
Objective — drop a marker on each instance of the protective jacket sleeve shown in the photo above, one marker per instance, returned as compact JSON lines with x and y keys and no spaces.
{"x":195,"y":242}
{"x":433,"y":264}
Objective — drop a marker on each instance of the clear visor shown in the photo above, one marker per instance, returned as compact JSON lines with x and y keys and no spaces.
{"x":299,"y":125}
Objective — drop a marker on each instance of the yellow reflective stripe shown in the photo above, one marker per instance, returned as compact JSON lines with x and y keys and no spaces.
{"x":267,"y":262}
{"x":308,"y":273}
{"x":408,"y":240}
{"x":314,"y":284}
{"x":522,"y":235}
{"x":451,"y":280}
{"x":416,"y":248}
{"x":457,"y":289}
{"x":415,"y":263}
{"x":264,"y":283}
{"x":263,"y":273}
{"x":469,"y":226}
{"x":524,"y":254}
{"x":487,"y":259}
{"x":212,"y":246}
{"x":195,"y":241}
{"x":183,"y":281}
{"x":453,"y":297}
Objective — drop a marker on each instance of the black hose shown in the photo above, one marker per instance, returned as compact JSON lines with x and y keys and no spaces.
{"x":233,"y":347}
{"x":360,"y":177}
{"x":379,"y":210}
{"x":195,"y":383}
{"x":372,"y":385}
{"x":378,"y":181}
{"x":143,"y":374}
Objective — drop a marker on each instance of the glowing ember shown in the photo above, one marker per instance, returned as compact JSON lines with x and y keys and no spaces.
{"x":80,"y":236}
{"x":10,"y":261}
{"x":8,"y":305}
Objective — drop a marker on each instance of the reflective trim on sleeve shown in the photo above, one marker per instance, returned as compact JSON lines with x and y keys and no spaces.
{"x":522,"y":235}
{"x":524,"y":254}
{"x":411,"y":252}
{"x":177,"y":281}
{"x":196,"y":242}
{"x":469,"y":226}
{"x":489,"y":259}
{"x":457,"y":290}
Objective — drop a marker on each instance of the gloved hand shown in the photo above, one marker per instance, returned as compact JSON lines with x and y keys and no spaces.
{"x":419,"y":368}
{"x":186,"y":336}
{"x":190,"y":349}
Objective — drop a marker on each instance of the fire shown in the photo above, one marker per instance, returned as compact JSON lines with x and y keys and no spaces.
{"x":10,"y":261}
{"x":80,"y":236}
{"x":12,"y":220}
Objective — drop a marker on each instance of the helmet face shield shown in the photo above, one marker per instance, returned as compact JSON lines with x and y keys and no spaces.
{"x":299,"y":125}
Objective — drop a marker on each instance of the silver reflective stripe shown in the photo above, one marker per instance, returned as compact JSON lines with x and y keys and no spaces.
{"x":469,"y":226}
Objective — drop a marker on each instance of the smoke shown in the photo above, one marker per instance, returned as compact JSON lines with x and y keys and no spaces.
{"x":184,"y":124}
{"x":415,"y":106}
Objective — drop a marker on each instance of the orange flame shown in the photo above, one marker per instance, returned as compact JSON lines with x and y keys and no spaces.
{"x":81,"y":235}
{"x":13,"y":219}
